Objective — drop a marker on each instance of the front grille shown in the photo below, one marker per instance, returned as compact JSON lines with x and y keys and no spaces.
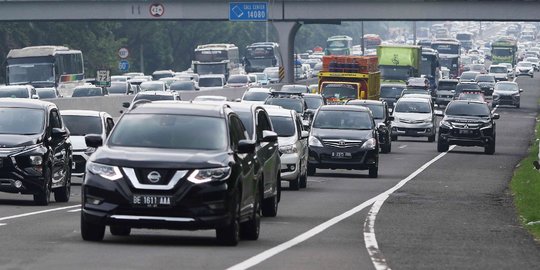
{"x":150,"y":176}
{"x":466,"y":125}
{"x":407,"y":121}
{"x":343,"y":143}
{"x":469,"y":133}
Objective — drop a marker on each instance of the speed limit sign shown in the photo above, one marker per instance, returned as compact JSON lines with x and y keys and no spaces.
{"x":157,"y":10}
{"x":103,"y":77}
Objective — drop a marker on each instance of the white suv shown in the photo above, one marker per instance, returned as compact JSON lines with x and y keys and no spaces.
{"x":293,"y":149}
{"x":499,"y":71}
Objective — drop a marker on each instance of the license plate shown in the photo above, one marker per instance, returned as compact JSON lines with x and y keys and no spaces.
{"x":341,"y":155}
{"x":152,"y":201}
{"x":465,"y":132}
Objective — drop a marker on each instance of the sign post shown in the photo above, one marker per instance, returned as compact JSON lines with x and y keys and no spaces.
{"x":123,"y":65}
{"x":103,"y":78}
{"x":244,"y":11}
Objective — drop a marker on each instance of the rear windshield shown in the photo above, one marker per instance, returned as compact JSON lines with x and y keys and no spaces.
{"x":182,"y":85}
{"x":255,"y":96}
{"x":118,"y":88}
{"x":376,"y":109}
{"x":14,"y":93}
{"x":87,"y":92}
{"x":391,"y":91}
{"x":238,"y":79}
{"x":81,"y":125}
{"x":210,"y":82}
{"x":154,"y":97}
{"x":467,"y":109}
{"x":283,"y":126}
{"x":447,"y":85}
{"x":287,"y":103}
{"x":170,"y":131}
{"x":314,"y":102}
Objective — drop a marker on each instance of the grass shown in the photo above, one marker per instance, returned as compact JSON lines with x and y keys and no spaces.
{"x":525,"y":187}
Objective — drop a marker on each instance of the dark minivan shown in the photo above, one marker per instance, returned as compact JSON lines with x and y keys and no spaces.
{"x":35,"y":151}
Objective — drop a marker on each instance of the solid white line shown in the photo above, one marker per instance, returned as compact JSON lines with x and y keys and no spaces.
{"x":3,"y":224}
{"x":370,"y":240}
{"x":321,"y":227}
{"x":403,"y":146}
{"x":39,"y":212}
{"x":74,"y":210}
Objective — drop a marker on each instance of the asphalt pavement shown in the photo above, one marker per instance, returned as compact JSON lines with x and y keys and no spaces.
{"x":455,"y":214}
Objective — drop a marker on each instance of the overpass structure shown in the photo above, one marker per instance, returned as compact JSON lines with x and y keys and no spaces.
{"x":287,"y":16}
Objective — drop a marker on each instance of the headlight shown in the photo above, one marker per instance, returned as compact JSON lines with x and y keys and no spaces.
{"x":288,"y":149}
{"x":207,"y":175}
{"x":446,"y":124}
{"x":36,"y":160}
{"x":427,"y":120}
{"x":515,"y":94}
{"x":105,"y":171}
{"x":486,"y":125}
{"x":369,"y":144}
{"x":313,"y":141}
{"x":491,"y":88}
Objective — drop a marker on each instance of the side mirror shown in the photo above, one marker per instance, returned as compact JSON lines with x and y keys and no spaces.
{"x":35,"y":96}
{"x":520,"y":90}
{"x":452,"y":91}
{"x":304,"y":134}
{"x":439,"y":113}
{"x":269,"y":136}
{"x":238,"y":100}
{"x":126,"y":104}
{"x":496,"y":116}
{"x":93,"y":140}
{"x":59,"y":133}
{"x":390,"y":118}
{"x":246,"y":147}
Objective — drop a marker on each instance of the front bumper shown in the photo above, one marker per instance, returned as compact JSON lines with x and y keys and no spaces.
{"x":290,"y":166}
{"x":465,"y":136}
{"x":15,"y":170}
{"x":79,"y":163}
{"x":192,"y":206}
{"x":506,"y":100}
{"x":359,"y":159}
{"x":413,"y":130}
{"x":524,"y":73}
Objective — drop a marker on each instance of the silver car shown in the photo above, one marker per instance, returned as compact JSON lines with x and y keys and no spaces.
{"x":414,"y":117}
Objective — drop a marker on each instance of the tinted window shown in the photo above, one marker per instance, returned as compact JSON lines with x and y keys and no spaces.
{"x":238,"y":79}
{"x":170,"y":131}
{"x":468,"y":76}
{"x":14,"y":92}
{"x":314,"y":102}
{"x":247,"y":120}
{"x":485,"y":79}
{"x":376,"y":109}
{"x":263,"y":123}
{"x":118,"y":88}
{"x":340,"y":91}
{"x":46,"y":93}
{"x":152,"y":86}
{"x":210,"y":82}
{"x":55,"y":120}
{"x":391,"y":91}
{"x":447,"y":85}
{"x":87,"y":92}
{"x":255,"y":96}
{"x":498,"y":69}
{"x":468,"y":86}
{"x":287,"y":103}
{"x":154,"y":97}
{"x":21,"y":121}
{"x":468,"y":109}
{"x":343,"y":120}
{"x":283,"y":126}
{"x":413,"y":107}
{"x":182,"y":85}
{"x":82,"y":125}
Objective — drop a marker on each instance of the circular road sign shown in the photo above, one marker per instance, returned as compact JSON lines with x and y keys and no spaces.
{"x":123,"y":53}
{"x":157,"y":10}
{"x":123,"y":65}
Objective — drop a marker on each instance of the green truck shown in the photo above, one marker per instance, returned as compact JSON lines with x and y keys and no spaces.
{"x":397,"y":63}
{"x":504,"y":50}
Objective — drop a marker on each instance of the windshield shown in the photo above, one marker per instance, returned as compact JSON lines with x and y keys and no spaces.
{"x":391,"y":91}
{"x":182,"y":85}
{"x":425,"y":67}
{"x":260,"y":63}
{"x":22,"y":121}
{"x":152,"y":86}
{"x":490,"y":79}
{"x":376,"y":110}
{"x":339,"y":91}
{"x":337,"y":44}
{"x":450,"y":63}
{"x":213,"y":55}
{"x":524,"y":64}
{"x":502,"y":52}
{"x":238,"y":79}
{"x":468,"y":76}
{"x":395,"y":73}
{"x":283,"y":126}
{"x":446,"y":85}
{"x":446,"y":48}
{"x":506,"y":87}
{"x":255,"y":96}
{"x":118,"y":88}
{"x":294,"y":89}
{"x":498,"y":70}
{"x":46,"y":93}
{"x":210,"y":82}
{"x":14,"y":92}
{"x":211,"y":69}
{"x":468,"y":109}
{"x":153,"y":97}
{"x":467,"y":86}
{"x":343,"y":120}
{"x":81,"y":125}
{"x":412,"y":107}
{"x":87,"y":92}
{"x":287,"y":103}
{"x":466,"y":60}
{"x":34,"y":72}
{"x":314,"y":102}
{"x":170,"y":131}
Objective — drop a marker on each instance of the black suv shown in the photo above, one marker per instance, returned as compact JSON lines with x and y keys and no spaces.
{"x":172,"y":165}
{"x":344,"y":137}
{"x":383,"y":119}
{"x":467,"y":123}
{"x":259,"y":127}
{"x":35,"y":150}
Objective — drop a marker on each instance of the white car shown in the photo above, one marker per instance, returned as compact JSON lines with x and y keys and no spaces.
{"x":414,"y":117}
{"x":18,"y":91}
{"x":510,"y":68}
{"x":210,"y":98}
{"x":524,"y":69}
{"x":535,"y":62}
{"x":292,"y":141}
{"x":81,"y":123}
{"x":256,"y":95}
{"x":153,"y":86}
{"x":211,"y":81}
{"x":500,"y":72}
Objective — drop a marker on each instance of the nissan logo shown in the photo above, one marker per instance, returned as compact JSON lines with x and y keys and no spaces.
{"x":153,"y":177}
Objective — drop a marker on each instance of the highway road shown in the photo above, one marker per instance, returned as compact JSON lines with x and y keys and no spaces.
{"x":456,"y":213}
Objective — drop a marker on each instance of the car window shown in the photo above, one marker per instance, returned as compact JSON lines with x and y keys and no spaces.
{"x":314,"y":102}
{"x":413,"y":107}
{"x":468,"y":109}
{"x":284,"y":126}
{"x":238,"y":131}
{"x":56,"y":122}
{"x":110,"y":125}
{"x":263,"y":123}
{"x":80,"y":125}
{"x":343,"y":120}
{"x":287,"y":103}
{"x":255,"y":96}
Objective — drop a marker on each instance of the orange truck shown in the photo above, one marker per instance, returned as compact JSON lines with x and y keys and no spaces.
{"x":349,"y":77}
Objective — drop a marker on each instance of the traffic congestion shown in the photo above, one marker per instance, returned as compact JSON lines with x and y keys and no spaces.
{"x":180,"y":156}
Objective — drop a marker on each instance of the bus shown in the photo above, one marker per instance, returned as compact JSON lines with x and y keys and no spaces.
{"x":449,"y":55}
{"x":216,"y":59}
{"x":466,"y":40}
{"x":339,"y":45}
{"x":46,"y":66}
{"x":430,"y":66}
{"x":261,"y":55}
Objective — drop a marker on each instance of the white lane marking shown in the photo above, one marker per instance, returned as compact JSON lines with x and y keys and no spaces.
{"x":323,"y":226}
{"x":3,"y":224}
{"x":403,"y":146}
{"x":74,"y":210}
{"x":39,"y":212}
{"x":370,"y":240}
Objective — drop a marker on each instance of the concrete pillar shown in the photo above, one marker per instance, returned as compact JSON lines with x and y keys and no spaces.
{"x":286,"y":33}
